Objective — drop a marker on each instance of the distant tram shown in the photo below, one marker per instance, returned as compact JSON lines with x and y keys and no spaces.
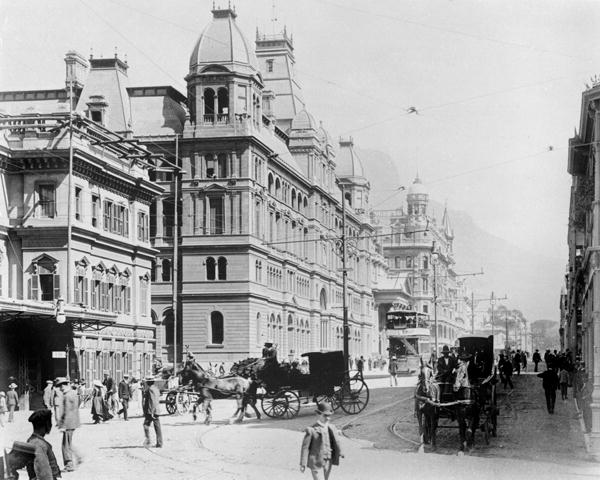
{"x":409,"y":337}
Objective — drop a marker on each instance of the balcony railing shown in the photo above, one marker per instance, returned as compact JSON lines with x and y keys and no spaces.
{"x":216,"y":119}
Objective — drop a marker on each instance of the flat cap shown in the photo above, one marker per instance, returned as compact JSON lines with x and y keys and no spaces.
{"x":40,"y":416}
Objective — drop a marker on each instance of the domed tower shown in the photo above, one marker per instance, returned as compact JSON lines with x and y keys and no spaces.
{"x":417,"y":199}
{"x":351,"y":172}
{"x":224,"y":83}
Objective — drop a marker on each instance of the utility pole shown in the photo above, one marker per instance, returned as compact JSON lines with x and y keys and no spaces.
{"x":175,"y":249}
{"x":344,"y":278}
{"x":70,"y":188}
{"x":434,"y":261}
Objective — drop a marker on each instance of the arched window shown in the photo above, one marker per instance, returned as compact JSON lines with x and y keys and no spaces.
{"x":323,"y":300}
{"x":209,"y":102}
{"x":216,"y":328}
{"x":270,"y":183}
{"x":293,"y":198}
{"x":210,"y":268}
{"x":222,"y":265}
{"x":277,"y":188}
{"x":223,"y":101}
{"x":168,"y":326}
{"x":166,"y":270}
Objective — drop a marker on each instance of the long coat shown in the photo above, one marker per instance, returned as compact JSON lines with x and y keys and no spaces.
{"x":312,"y":452}
{"x":151,"y":401}
{"x":124,"y":390}
{"x":70,"y":411}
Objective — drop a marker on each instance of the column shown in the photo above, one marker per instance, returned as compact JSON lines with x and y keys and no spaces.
{"x":159,"y":217}
{"x":227,"y":214}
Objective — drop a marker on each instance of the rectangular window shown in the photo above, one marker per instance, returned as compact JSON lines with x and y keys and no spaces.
{"x":46,"y":200}
{"x":269,"y":65}
{"x":142,"y":226}
{"x":95,"y":210}
{"x":125,"y":216}
{"x":216,"y":216}
{"x":107,"y":215}
{"x":127,"y":299}
{"x":77,"y":203}
{"x":117,"y":223}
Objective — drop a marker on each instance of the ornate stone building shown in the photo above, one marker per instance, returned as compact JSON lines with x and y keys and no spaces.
{"x":410,"y":238}
{"x":261,"y":211}
{"x":580,"y":314}
{"x":74,"y":274}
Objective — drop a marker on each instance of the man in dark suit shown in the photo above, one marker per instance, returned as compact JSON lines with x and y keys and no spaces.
{"x":68,"y":422}
{"x":150,"y":402}
{"x":550,"y":385}
{"x":445,"y":366}
{"x":124,"y":395}
{"x":321,"y":447}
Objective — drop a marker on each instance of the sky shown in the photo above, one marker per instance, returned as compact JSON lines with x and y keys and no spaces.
{"x":497,"y":84}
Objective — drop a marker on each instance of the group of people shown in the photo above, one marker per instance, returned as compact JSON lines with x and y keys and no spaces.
{"x":559,"y":374}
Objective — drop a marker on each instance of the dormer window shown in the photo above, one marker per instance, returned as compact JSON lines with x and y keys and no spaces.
{"x":97,"y":107}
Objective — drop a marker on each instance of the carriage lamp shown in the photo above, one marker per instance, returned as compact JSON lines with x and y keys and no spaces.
{"x":60,"y":315}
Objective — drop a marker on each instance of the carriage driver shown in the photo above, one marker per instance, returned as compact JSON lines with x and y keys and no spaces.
{"x":445,"y":366}
{"x":269,"y":350}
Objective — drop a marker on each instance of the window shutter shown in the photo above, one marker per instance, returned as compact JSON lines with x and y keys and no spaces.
{"x":84,"y":296}
{"x":139,"y":226}
{"x":127,"y":299}
{"x":77,"y":291}
{"x":106,"y":215}
{"x":126,"y":222}
{"x":34,"y":287}
{"x":56,"y":287}
{"x":94,"y":304}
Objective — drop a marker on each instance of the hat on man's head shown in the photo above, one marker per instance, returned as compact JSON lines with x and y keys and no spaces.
{"x":12,"y":385}
{"x":445,"y":349}
{"x":149,"y":378}
{"x":40,"y":417}
{"x":125,"y":375}
{"x":2,"y":394}
{"x":105,"y":372}
{"x":97,"y":383}
{"x":324,"y":408}
{"x":465,"y":357}
{"x":60,"y":381}
{"x":49,"y":381}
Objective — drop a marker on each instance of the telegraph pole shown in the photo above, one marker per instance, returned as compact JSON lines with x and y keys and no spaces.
{"x":69,"y":297}
{"x":344,"y":279}
{"x":175,"y":250}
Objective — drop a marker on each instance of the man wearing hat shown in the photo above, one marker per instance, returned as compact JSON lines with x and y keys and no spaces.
{"x":150,"y":403}
{"x":445,"y":365}
{"x":393,"y":371}
{"x":45,"y":466}
{"x":124,"y":395}
{"x":68,"y":422}
{"x":321,"y":447}
{"x":12,"y":400}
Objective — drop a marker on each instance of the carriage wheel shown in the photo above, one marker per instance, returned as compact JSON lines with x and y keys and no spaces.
{"x":171,"y":402}
{"x":285,"y":404}
{"x":354,"y":396}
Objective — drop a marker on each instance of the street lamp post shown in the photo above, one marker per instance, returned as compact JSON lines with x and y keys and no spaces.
{"x":434,"y":262}
{"x":492,"y":303}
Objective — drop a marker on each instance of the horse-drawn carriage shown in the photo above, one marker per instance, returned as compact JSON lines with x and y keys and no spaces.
{"x":287,"y":388}
{"x":469,"y":398}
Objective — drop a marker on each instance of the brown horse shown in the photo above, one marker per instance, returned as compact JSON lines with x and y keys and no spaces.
{"x":207,"y":385}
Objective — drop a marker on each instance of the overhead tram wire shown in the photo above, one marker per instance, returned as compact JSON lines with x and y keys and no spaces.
{"x":331,"y":82}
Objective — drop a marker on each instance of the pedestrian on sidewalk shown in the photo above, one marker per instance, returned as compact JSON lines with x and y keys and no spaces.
{"x":124,"y":395}
{"x":393,"y":371}
{"x":45,"y":466}
{"x":321,"y":448}
{"x":48,"y":395}
{"x":517,"y":362}
{"x":537,"y":358}
{"x":68,"y":423}
{"x":506,"y":371}
{"x":550,"y":385}
{"x":360,"y":366}
{"x":150,"y":405}
{"x":3,"y":409}
{"x":563,"y":380}
{"x":12,"y":400}
{"x":99,"y":410}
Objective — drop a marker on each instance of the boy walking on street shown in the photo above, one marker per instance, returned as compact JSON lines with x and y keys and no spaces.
{"x":321,"y":445}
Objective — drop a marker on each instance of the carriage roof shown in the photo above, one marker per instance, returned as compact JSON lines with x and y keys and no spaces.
{"x":483,"y":347}
{"x":326,"y":368}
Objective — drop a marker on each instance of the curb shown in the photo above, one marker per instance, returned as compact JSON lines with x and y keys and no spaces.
{"x":586,"y":436}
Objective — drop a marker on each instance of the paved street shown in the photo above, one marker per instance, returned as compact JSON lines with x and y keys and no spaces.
{"x":531,"y":444}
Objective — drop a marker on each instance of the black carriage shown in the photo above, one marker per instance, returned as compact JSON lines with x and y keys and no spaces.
{"x":288,"y":387}
{"x":471,"y":404}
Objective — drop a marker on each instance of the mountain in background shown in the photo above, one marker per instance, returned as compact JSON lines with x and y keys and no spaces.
{"x":532,"y":282}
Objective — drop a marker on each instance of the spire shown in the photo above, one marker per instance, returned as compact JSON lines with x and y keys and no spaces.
{"x":446,"y":222}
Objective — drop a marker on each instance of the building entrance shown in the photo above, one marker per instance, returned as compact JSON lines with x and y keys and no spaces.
{"x":26,"y":353}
